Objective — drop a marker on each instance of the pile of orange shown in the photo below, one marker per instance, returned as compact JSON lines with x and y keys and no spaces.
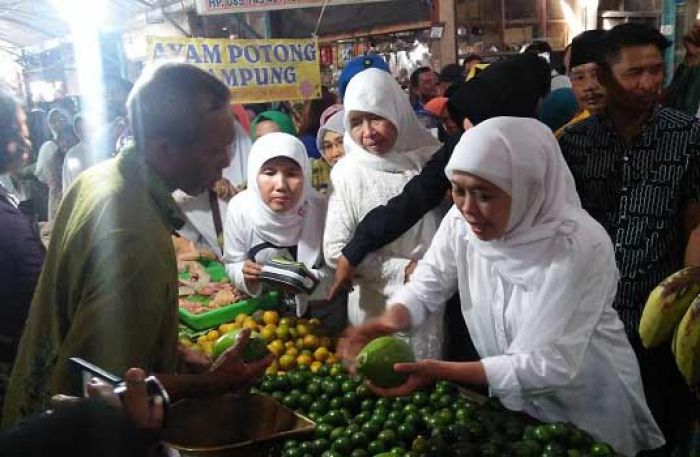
{"x":294,"y":342}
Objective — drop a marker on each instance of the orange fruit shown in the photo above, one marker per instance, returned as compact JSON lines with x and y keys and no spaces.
{"x":315,"y":366}
{"x":241,"y":318}
{"x":321,"y":354}
{"x":286,"y":362}
{"x":250,"y":323}
{"x":311,"y":341}
{"x":304,"y":359}
{"x":213,"y":335}
{"x":276,"y":347}
{"x":271,"y":317}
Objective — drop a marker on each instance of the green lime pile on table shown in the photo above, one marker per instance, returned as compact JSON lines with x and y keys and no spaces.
{"x":352,"y":422}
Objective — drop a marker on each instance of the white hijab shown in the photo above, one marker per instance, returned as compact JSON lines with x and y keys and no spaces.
{"x":375,"y":91}
{"x":302,"y":226}
{"x":522,"y":157}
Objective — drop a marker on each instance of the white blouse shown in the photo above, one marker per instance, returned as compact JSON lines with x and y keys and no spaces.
{"x":582,"y":368}
{"x":355,"y":192}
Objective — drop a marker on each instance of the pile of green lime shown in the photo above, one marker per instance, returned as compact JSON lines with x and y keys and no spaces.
{"x":352,"y":422}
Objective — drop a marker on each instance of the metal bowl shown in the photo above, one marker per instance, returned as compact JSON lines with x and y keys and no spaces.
{"x":238,"y":425}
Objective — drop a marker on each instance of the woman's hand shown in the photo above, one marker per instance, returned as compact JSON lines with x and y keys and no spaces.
{"x":251,"y":274}
{"x":420,"y":374}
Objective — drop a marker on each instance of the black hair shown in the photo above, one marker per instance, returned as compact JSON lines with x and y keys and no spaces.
{"x":10,"y":131}
{"x":168,"y":102}
{"x":415,"y":76}
{"x":538,"y":47}
{"x":627,"y":35}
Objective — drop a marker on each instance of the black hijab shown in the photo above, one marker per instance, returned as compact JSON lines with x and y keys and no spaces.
{"x":511,"y":87}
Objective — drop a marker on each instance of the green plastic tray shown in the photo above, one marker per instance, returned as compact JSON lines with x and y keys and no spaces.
{"x":228,"y":313}
{"x":216,"y":270}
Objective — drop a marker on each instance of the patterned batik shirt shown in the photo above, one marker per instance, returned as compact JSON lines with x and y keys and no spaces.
{"x":638,"y":191}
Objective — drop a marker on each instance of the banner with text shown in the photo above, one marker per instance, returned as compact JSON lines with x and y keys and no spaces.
{"x":255,"y":71}
{"x":242,"y":6}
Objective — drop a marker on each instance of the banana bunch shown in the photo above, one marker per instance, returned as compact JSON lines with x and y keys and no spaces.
{"x":674,"y":306}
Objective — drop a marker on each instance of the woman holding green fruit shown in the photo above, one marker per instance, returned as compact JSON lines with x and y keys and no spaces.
{"x":536,"y":277}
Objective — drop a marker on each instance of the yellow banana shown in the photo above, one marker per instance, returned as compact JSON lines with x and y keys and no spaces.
{"x":686,"y":344}
{"x":666,"y":305}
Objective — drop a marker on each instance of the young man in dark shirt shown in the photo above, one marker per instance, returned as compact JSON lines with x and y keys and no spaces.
{"x":637,"y":171}
{"x":21,"y":251}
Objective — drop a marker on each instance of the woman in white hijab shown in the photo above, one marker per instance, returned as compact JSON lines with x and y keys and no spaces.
{"x":49,"y":163}
{"x":278,"y":215}
{"x":536,"y":277}
{"x":385,"y":146}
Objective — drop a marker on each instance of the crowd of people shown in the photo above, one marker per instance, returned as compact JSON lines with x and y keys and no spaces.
{"x":508,"y":220}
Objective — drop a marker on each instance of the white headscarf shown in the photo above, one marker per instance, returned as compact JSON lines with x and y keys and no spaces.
{"x":375,"y":91}
{"x":334,"y":123}
{"x":301,"y":226}
{"x":522,"y":157}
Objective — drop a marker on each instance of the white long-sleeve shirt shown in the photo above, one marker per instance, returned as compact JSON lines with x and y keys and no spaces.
{"x":240,"y":237}
{"x":581,"y":369}
{"x":356,"y":190}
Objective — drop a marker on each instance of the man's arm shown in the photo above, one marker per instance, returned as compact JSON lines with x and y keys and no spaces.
{"x":386,"y":223}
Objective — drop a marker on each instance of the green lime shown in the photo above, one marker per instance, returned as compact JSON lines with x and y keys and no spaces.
{"x":335,"y":418}
{"x":290,"y":444}
{"x":342,"y":446}
{"x":376,"y":361}
{"x":407,"y":432}
{"x":331,"y":387}
{"x":337,"y":433}
{"x":336,"y":403}
{"x":363,"y":417}
{"x":367,"y":405}
{"x":363,"y":392}
{"x":376,"y":447}
{"x":314,"y":388}
{"x":305,"y":401}
{"x":372,"y":428}
{"x":601,"y":450}
{"x":321,"y":445}
{"x":389,"y":436}
{"x":359,"y":440}
{"x":323,"y":430}
{"x":543,"y":434}
{"x":420,"y":445}
{"x":256,"y":349}
{"x":318,"y":407}
{"x":359,"y":453}
{"x":419,"y":398}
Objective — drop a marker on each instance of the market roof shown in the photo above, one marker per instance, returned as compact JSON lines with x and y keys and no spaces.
{"x":28,"y":23}
{"x":343,"y":19}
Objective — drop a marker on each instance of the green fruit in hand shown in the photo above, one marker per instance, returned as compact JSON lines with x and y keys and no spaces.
{"x":601,"y":450}
{"x":376,"y":361}
{"x":256,"y":349}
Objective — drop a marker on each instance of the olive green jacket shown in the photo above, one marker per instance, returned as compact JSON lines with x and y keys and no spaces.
{"x":108,"y":291}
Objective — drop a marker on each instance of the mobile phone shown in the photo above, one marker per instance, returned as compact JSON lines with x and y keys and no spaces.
{"x":88,"y":371}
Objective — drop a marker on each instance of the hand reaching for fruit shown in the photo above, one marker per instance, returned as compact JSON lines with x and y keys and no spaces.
{"x":420,"y":374}
{"x":232,"y":372}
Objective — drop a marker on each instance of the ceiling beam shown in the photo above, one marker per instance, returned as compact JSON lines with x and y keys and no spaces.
{"x":28,"y":25}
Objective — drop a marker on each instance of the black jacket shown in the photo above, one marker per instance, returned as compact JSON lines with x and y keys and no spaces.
{"x":386,"y":223}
